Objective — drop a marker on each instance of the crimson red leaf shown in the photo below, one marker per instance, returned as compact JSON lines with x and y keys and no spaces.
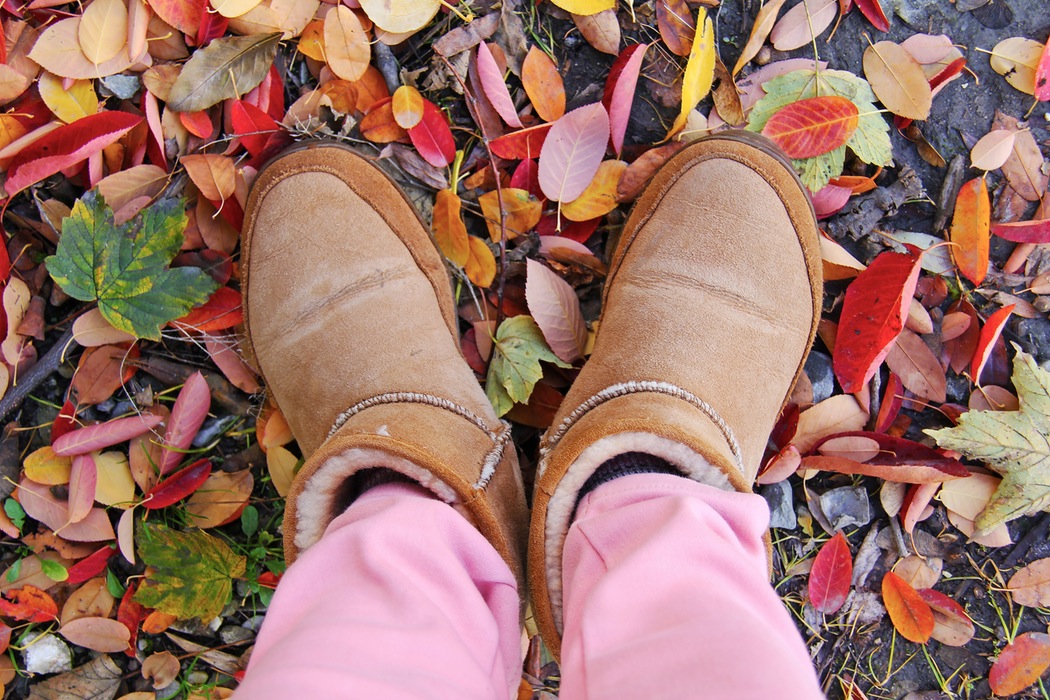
{"x":909,"y":613}
{"x":65,"y":421}
{"x":619,"y":91}
{"x":897,"y":451}
{"x":527,"y":177}
{"x":131,"y":614}
{"x":873,"y":316}
{"x":520,"y":145}
{"x":1024,"y":231}
{"x":829,"y":579}
{"x":1020,"y":664}
{"x":96,"y":437}
{"x":892,"y":401}
{"x":66,"y":146}
{"x":252,"y":125}
{"x":177,"y":486}
{"x":813,"y":126}
{"x":213,"y":25}
{"x":221,"y":311}
{"x":990,"y":332}
{"x":90,"y":566}
{"x":872,"y":9}
{"x":432,"y":137}
{"x":950,"y":71}
{"x":1042,"y":75}
{"x":579,"y":231}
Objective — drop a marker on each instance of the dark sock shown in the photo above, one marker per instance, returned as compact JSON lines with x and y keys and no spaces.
{"x":367,"y":479}
{"x":624,"y":464}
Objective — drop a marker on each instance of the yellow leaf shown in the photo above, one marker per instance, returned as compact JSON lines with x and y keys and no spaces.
{"x":481,"y":263}
{"x":764,"y":21}
{"x":12,"y":84}
{"x":10,"y":130}
{"x":233,"y":8}
{"x":449,"y":229}
{"x":281,"y":464}
{"x":699,"y":71}
{"x":346,"y":44}
{"x":408,"y":106}
{"x":58,"y":50}
{"x":45,"y":467}
{"x":585,"y":7}
{"x":1016,"y":59}
{"x":898,"y":80}
{"x":103,"y":30}
{"x":399,"y":16}
{"x":311,"y":41}
{"x":600,"y":196}
{"x":521,"y":212}
{"x":115,"y":486}
{"x":70,"y":104}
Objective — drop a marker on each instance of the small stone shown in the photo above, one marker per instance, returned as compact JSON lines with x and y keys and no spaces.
{"x":781,"y":505}
{"x":46,"y":653}
{"x":212,"y":429}
{"x":234,"y":634}
{"x":122,"y":86}
{"x":846,"y":506}
{"x":197,"y":678}
{"x":253,"y":623}
{"x":821,"y":376}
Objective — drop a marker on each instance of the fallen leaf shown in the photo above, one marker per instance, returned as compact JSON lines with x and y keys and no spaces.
{"x":543,"y":85}
{"x":92,"y":599}
{"x":600,"y":196}
{"x":1017,"y":59}
{"x":481,"y":263}
{"x":1030,"y":586}
{"x":495,"y":88}
{"x":802,"y":23}
{"x":162,"y":668}
{"x":917,"y":367}
{"x":347,"y":50}
{"x":184,"y":15}
{"x":57,"y":50}
{"x":407,"y":104}
{"x":521,"y":211}
{"x":224,"y":69}
{"x":556,"y":309}
{"x":1020,"y":663}
{"x":601,"y":30}
{"x":103,"y":30}
{"x":402,"y":16}
{"x":219,"y":499}
{"x":67,"y":103}
{"x":951,"y":624}
{"x":520,"y":145}
{"x":910,"y":614}
{"x":572,"y":152}
{"x":96,"y":633}
{"x":177,"y":486}
{"x":830,"y":577}
{"x":98,"y":678}
{"x":29,"y":604}
{"x":970,"y":229}
{"x":837,"y":414}
{"x":699,"y":71}
{"x":991,"y":150}
{"x":674,"y":19}
{"x":450,"y":232}
{"x":898,"y":80}
{"x":872,"y":10}
{"x":281,"y":465}
{"x":432,"y":137}
{"x":83,"y":477}
{"x":1042,"y":75}
{"x":518,"y":349}
{"x":764,"y":21}
{"x":813,"y":126}
{"x":214,"y":175}
{"x":856,"y":447}
{"x":1024,"y":231}
{"x":97,"y":437}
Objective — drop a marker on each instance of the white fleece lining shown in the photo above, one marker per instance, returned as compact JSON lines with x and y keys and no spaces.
{"x":314,"y":504}
{"x":563,"y":502}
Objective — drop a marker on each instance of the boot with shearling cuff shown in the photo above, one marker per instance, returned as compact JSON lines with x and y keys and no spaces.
{"x":352,"y":323}
{"x":709,"y":310}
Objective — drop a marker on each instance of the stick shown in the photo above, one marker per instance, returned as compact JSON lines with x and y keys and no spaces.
{"x":35,"y":376}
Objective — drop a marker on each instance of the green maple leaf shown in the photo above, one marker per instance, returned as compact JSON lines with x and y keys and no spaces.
{"x":517,"y":351}
{"x":870,"y":142}
{"x":126,"y":268}
{"x":192,"y":571}
{"x":1016,"y":444}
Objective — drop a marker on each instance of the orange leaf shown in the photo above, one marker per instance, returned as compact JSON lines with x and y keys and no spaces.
{"x":311,"y":41}
{"x":157,"y":621}
{"x":600,"y":196}
{"x":970,"y":229}
{"x":543,"y":85}
{"x":449,"y":230}
{"x":813,"y":127}
{"x":910,"y":614}
{"x":29,"y":603}
{"x":677,"y":28}
{"x":481,"y":263}
{"x":379,"y":125}
{"x":521,"y":212}
{"x":407,"y":104}
{"x":214,"y":175}
{"x":1020,"y":664}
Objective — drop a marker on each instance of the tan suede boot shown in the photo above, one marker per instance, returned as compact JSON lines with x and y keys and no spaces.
{"x":352,"y":322}
{"x":709,"y":310}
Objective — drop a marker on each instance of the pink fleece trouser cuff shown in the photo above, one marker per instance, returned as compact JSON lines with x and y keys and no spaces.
{"x":666,"y":596}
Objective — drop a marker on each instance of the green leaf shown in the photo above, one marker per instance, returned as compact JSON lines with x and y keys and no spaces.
{"x":126,"y":268}
{"x":1016,"y":444}
{"x":515,"y":368}
{"x":870,"y":142}
{"x":225,"y":68}
{"x":192,"y":571}
{"x":249,"y":520}
{"x":14,"y":510}
{"x":53,"y":570}
{"x":113,"y":585}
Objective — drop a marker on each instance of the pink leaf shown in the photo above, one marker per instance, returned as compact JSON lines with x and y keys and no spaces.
{"x":494,"y":86}
{"x":573,"y":151}
{"x":951,"y":624}
{"x":126,"y":535}
{"x":619,"y":91}
{"x":556,"y":309}
{"x":829,"y":580}
{"x":1024,"y":231}
{"x":830,"y":199}
{"x":97,"y":437}
{"x":66,"y":146}
{"x":1042,"y":75}
{"x":41,"y":505}
{"x":222,"y":350}
{"x":83,"y":477}
{"x":187,"y":416}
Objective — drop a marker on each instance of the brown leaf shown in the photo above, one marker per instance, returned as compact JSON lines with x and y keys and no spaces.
{"x":601,"y":30}
{"x":97,"y":633}
{"x":220,"y":499}
{"x":226,"y":68}
{"x":102,"y":371}
{"x":920,"y":372}
{"x":96,"y":680}
{"x":92,"y":599}
{"x":676,"y":24}
{"x":162,"y":668}
{"x":1031,"y":585}
{"x":898,"y":80}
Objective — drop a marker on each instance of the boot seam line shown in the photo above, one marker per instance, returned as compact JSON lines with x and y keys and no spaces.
{"x":500,"y":438}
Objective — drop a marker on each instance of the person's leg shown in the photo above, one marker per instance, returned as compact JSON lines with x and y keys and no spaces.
{"x":401,"y":598}
{"x":667,"y":595}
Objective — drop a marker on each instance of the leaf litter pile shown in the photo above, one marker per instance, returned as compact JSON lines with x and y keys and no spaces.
{"x":144,"y":469}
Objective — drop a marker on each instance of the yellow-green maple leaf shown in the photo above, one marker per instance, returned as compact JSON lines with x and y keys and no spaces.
{"x":1016,"y":444}
{"x":517,"y":351}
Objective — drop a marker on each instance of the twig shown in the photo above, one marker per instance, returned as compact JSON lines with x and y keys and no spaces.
{"x":386,"y":62}
{"x":35,"y":376}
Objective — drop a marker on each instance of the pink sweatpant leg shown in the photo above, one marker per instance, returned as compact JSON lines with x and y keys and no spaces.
{"x":667,"y":596}
{"x":401,"y":598}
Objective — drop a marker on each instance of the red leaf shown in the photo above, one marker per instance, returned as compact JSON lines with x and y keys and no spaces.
{"x":96,"y":437}
{"x":197,"y":123}
{"x":177,"y":486}
{"x":30,"y":604}
{"x":65,"y":147}
{"x":90,"y":566}
{"x":527,"y":177}
{"x":221,"y":311}
{"x":909,"y":613}
{"x":212,"y":26}
{"x":432,"y":137}
{"x":579,"y":231}
{"x":1020,"y":664}
{"x":961,"y":348}
{"x":520,"y":145}
{"x":892,"y":401}
{"x":829,"y":200}
{"x":951,"y":624}
{"x":950,"y":71}
{"x":1042,"y":75}
{"x":131,"y":614}
{"x":494,"y":86}
{"x":252,"y":125}
{"x":619,"y":91}
{"x":813,"y":126}
{"x":187,"y":416}
{"x":1024,"y":231}
{"x":829,"y":579}
{"x":969,"y":230}
{"x":873,"y":317}
{"x":873,"y":11}
{"x":990,"y":332}
{"x":65,"y":421}
{"x":900,"y":452}
{"x":184,"y":15}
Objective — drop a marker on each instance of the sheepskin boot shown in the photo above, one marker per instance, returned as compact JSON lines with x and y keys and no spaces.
{"x":352,"y":322}
{"x":709,"y":310}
